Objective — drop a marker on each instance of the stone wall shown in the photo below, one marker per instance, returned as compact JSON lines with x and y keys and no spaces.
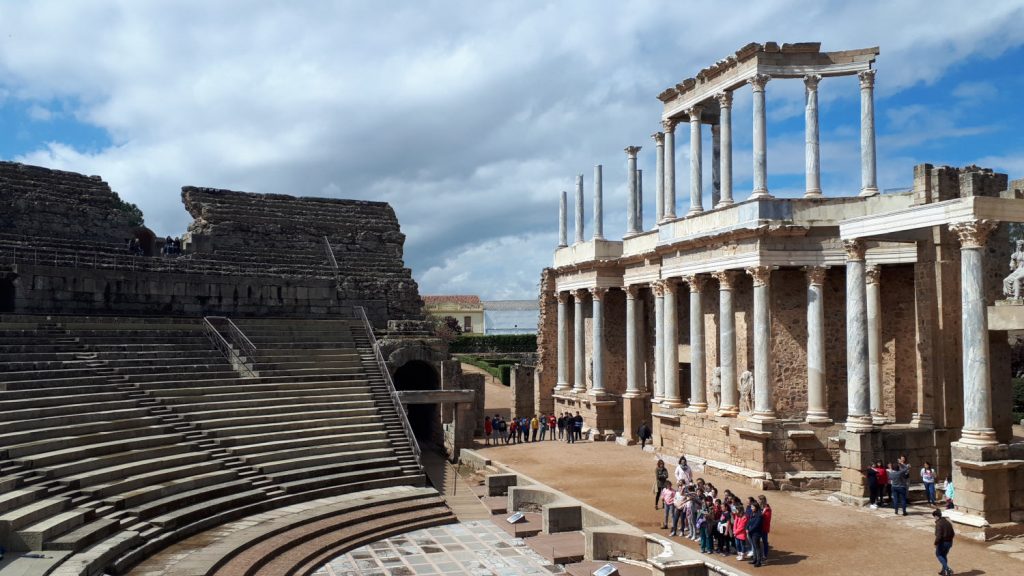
{"x":522,"y":386}
{"x":546,"y":374}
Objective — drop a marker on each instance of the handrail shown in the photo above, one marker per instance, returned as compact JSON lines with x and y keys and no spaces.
{"x":330,"y":254}
{"x":391,"y":385}
{"x":221,"y":344}
{"x":241,"y":340}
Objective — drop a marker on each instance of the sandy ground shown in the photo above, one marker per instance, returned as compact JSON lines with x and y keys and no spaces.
{"x":497,"y":396}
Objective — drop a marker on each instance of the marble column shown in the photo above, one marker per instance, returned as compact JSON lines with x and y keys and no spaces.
{"x":977,"y":428}
{"x":598,"y":203}
{"x":671,"y":327}
{"x":631,"y":224}
{"x":716,"y":165}
{"x":597,"y":303}
{"x":698,"y":368}
{"x":632,"y":349}
{"x":563,"y":341}
{"x":727,"y":343}
{"x":868,"y":177}
{"x":858,"y":417}
{"x":563,"y":237}
{"x":758,"y":83}
{"x":764,"y":406}
{"x":725,"y":128}
{"x":579,"y":209}
{"x":696,"y":162}
{"x":640,"y":199}
{"x":659,"y":177}
{"x":580,"y":351}
{"x":670,"y":168}
{"x":817,"y":410}
{"x":658,"y":287}
{"x":812,"y":159}
{"x":874,"y":304}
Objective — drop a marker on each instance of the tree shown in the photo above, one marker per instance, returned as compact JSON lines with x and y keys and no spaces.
{"x":447,"y":328}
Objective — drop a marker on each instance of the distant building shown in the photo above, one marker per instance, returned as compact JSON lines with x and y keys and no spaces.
{"x":467,"y":309}
{"x":511,"y":316}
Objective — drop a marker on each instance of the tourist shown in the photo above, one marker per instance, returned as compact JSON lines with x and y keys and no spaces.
{"x":644,"y":433}
{"x":723,"y":527}
{"x":668,"y":498}
{"x":692,"y":512}
{"x":898,"y":475}
{"x":871,"y":475}
{"x":739,"y":530}
{"x":706,"y":526}
{"x":712,"y":491}
{"x":488,"y":428}
{"x":660,"y":477}
{"x":883,"y":482}
{"x":766,"y":524}
{"x":678,"y":510}
{"x":524,"y":429}
{"x":552,"y":422}
{"x":534,"y":427}
{"x":755,"y":525}
{"x":502,"y":429}
{"x":543,"y":427}
{"x":513,"y":430}
{"x":577,"y":423}
{"x":561,"y":425}
{"x":570,"y":428}
{"x":943,"y":541}
{"x":683,"y":472}
{"x":950,"y":492}
{"x":928,"y":477}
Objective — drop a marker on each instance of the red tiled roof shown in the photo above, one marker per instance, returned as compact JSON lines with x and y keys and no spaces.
{"x":453,"y":299}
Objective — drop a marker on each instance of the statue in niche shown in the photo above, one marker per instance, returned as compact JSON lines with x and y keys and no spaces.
{"x":746,"y":392}
{"x":716,"y":387}
{"x":1012,"y":283}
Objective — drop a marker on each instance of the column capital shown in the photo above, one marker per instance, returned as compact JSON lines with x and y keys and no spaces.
{"x":855,"y":249}
{"x":759,"y":81}
{"x":761,"y":274}
{"x":632,"y":151}
{"x":724,"y":99}
{"x":811,"y":81}
{"x":873,"y":274}
{"x":669,"y":285}
{"x":580,"y":294}
{"x":669,"y":125}
{"x":659,"y":138}
{"x":867,"y":79}
{"x":562,"y":296}
{"x":695,"y":282}
{"x":694,"y":112}
{"x":632,"y":291}
{"x":973,"y":233}
{"x":816,"y":275}
{"x":658,"y":287}
{"x":598,"y":292}
{"x":726,"y":279}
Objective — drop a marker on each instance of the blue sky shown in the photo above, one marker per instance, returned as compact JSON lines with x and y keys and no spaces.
{"x":470,"y":119}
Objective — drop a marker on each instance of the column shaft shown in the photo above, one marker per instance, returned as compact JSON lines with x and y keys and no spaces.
{"x":579,"y":210}
{"x":764,"y":408}
{"x":659,"y":342}
{"x":727,"y":344}
{"x":670,"y":168}
{"x":817,"y":411}
{"x":563,"y":208}
{"x":598,"y":203}
{"x":671,"y":368}
{"x":696,"y":175}
{"x":563,"y":341}
{"x":698,"y":369}
{"x":874,"y":315}
{"x":640,"y":200}
{"x":659,"y":177}
{"x":632,"y":226}
{"x":811,"y":143}
{"x":716,"y":165}
{"x":868,"y":178}
{"x":858,"y":417}
{"x":632,"y":355}
{"x":597,"y":297}
{"x":760,"y":138}
{"x":725,"y":128}
{"x":580,"y":352}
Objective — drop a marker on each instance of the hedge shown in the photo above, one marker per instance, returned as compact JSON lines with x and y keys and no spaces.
{"x":501,"y":343}
{"x":1018,"y":400}
{"x":492,"y":369}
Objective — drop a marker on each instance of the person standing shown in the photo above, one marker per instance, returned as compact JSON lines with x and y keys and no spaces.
{"x":543,"y":427}
{"x":534,"y":427}
{"x":561,"y":425}
{"x":488,"y":430}
{"x":883,"y":482}
{"x":668,"y":498}
{"x":928,"y":477}
{"x":644,"y":432}
{"x":678,"y":510}
{"x":570,"y":429}
{"x":683,"y":472}
{"x":871,"y":475}
{"x":739,"y":529}
{"x":950,"y":493}
{"x":943,"y":541}
{"x":755,"y":524}
{"x":766,"y":524}
{"x":660,"y":477}
{"x":706,"y":526}
{"x":578,"y":426}
{"x":552,"y":421}
{"x":898,"y":475}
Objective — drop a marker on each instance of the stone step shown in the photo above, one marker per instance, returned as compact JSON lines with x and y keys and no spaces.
{"x":31,"y":513}
{"x":35,"y":535}
{"x":83,"y":536}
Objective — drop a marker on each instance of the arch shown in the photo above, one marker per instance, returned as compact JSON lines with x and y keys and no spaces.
{"x":424,"y":418}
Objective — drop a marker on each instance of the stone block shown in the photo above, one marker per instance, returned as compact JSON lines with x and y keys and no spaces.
{"x":498,"y":484}
{"x":562,"y":518}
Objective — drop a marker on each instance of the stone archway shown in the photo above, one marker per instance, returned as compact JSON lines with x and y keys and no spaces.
{"x":425,"y":419}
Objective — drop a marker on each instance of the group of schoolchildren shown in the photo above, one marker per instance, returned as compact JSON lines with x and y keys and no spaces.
{"x":893,"y":481}
{"x":723,"y":525}
{"x":546,"y":426}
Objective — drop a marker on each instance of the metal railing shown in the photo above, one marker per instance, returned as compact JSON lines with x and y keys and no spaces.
{"x":330,"y":254}
{"x":241,"y":340}
{"x":225,"y":348}
{"x":386,"y":374}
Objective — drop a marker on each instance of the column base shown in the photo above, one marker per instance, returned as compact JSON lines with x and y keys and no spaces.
{"x":762,"y":417}
{"x":576,"y":390}
{"x":878,"y":419}
{"x":672,"y":403}
{"x":694,"y":212}
{"x":728,"y":411}
{"x":697,"y":407}
{"x":865,"y":192}
{"x":634,"y":394}
{"x":598,"y":394}
{"x":761,"y":195}
{"x":921,"y":421}
{"x":982,"y":437}
{"x":817,"y":419}
{"x":812,"y":194}
{"x":596,"y":237}
{"x":657,"y":399}
{"x":562,"y":387}
{"x":724,"y":203}
{"x":859,"y":424}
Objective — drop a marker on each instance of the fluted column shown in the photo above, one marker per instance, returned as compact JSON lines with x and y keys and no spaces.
{"x":868,"y":177}
{"x":812,"y":159}
{"x":716,"y":165}
{"x":563,"y":341}
{"x":598,"y":203}
{"x":977,"y":428}
{"x":580,"y":351}
{"x":671,"y":325}
{"x":764,"y":407}
{"x":817,"y":410}
{"x":727,"y":343}
{"x":658,"y":287}
{"x":579,"y":209}
{"x":725,"y":128}
{"x":640,"y":199}
{"x":670,"y":168}
{"x":698,"y":357}
{"x":597,"y":302}
{"x":758,"y":82}
{"x":631,"y":223}
{"x":659,"y":177}
{"x":632,"y":348}
{"x":858,"y":417}
{"x":563,"y":237}
{"x":874,"y":304}
{"x":696,"y":162}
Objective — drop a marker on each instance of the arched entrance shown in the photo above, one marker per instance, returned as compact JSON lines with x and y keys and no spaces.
{"x":425,"y":419}
{"x":7,"y":294}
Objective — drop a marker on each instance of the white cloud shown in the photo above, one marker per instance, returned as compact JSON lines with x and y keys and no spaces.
{"x":39,"y":113}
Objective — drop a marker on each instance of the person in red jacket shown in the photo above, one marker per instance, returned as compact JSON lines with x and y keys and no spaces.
{"x":882,"y":476}
{"x":488,"y":429}
{"x":766,"y":524}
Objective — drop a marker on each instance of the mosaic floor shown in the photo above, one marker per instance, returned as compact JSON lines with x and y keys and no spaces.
{"x":470,"y":548}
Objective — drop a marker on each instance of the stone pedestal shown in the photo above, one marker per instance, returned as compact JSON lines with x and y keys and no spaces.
{"x":984,"y":478}
{"x":859,"y":452}
{"x":634,"y":413}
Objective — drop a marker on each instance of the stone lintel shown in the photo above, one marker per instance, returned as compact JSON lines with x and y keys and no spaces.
{"x":897,"y":223}
{"x":436,"y":396}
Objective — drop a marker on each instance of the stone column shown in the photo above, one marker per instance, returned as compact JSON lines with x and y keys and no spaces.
{"x":563,"y":342}
{"x":977,"y":428}
{"x":632,"y":350}
{"x":716,"y":165}
{"x":631,"y":223}
{"x":858,"y":417}
{"x":640,"y":199}
{"x":725,"y":127}
{"x":812,"y":156}
{"x":671,"y":327}
{"x":696,"y":162}
{"x":659,"y":177}
{"x":727,"y":343}
{"x":817,"y":410}
{"x":563,"y":237}
{"x":580,"y":352}
{"x":597,"y":302}
{"x":758,"y":83}
{"x":764,"y":406}
{"x":658,"y":287}
{"x":698,"y":370}
{"x":670,"y":168}
{"x":874,"y":315}
{"x":579,"y":209}
{"x":868,"y":178}
{"x":598,"y":204}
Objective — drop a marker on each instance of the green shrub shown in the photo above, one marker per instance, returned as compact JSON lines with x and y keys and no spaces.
{"x":498,"y":343}
{"x":1018,"y":400}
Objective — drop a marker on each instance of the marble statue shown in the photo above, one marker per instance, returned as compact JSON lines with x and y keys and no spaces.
{"x":716,"y":387}
{"x":1012,"y":283}
{"x":746,"y":391}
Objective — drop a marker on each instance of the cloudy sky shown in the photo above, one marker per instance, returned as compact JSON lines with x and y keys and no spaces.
{"x":470,"y":117}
